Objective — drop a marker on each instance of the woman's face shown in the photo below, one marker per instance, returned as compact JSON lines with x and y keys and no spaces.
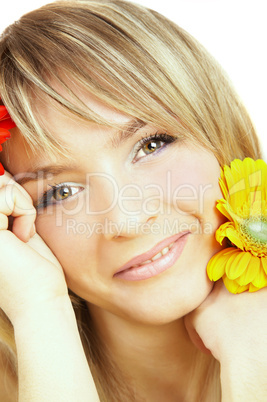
{"x":112,"y":200}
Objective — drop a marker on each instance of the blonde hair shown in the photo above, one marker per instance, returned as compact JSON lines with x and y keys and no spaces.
{"x":134,"y":60}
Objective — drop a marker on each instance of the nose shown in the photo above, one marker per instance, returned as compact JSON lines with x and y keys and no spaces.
{"x":123,"y":211}
{"x":130,"y":228}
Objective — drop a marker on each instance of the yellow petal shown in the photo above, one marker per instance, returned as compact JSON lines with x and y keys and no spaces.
{"x":242,"y":289}
{"x":251,"y":272}
{"x":221,"y":232}
{"x":260,"y":179}
{"x":246,"y":182}
{"x":216,"y":265}
{"x":223,"y":185}
{"x":234,"y":236}
{"x":232,"y":286}
{"x":264,"y":263}
{"x":235,"y":267}
{"x":260,"y":279}
{"x":253,"y":288}
{"x":255,"y":179}
{"x":258,"y":207}
{"x":224,"y":209}
{"x":237,"y":183}
{"x":244,"y":187}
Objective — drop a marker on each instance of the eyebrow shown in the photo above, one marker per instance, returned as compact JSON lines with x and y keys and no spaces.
{"x":41,"y":173}
{"x":126,"y":132}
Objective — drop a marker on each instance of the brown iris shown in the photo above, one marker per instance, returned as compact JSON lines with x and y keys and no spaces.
{"x":61,"y":193}
{"x":151,"y":146}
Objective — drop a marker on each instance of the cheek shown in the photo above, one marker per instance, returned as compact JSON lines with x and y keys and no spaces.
{"x":196,"y":187}
{"x":69,"y":243}
{"x":187,"y":181}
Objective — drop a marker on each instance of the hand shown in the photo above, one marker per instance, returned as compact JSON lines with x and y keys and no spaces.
{"x":30,"y":275}
{"x":234,"y":329}
{"x":227,"y":323}
{"x":34,"y":295}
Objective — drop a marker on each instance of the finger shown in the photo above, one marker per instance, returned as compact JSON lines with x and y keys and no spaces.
{"x":7,"y":179}
{"x":37,"y":244}
{"x":14,"y":202}
{"x":24,"y":227}
{"x":4,"y":222}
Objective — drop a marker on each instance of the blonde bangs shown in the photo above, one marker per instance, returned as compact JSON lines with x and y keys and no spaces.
{"x":131,"y":58}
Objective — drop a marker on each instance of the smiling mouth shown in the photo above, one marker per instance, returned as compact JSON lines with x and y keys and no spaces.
{"x":156,"y":257}
{"x":160,"y":258}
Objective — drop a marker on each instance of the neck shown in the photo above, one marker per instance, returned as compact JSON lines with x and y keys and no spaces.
{"x":160,"y":362}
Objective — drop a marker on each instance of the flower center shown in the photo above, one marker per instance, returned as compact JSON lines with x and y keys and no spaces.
{"x":256,"y":230}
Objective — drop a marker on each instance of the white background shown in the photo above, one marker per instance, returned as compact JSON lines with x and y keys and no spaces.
{"x":234,"y":31}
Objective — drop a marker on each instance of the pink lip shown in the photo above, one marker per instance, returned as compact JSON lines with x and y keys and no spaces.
{"x":155,"y":267}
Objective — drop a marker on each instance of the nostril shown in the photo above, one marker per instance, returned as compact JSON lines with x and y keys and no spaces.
{"x":151,"y":219}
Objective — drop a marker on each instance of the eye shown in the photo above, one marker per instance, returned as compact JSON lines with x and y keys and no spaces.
{"x":151,"y":144}
{"x":63,"y":192}
{"x":58,"y":193}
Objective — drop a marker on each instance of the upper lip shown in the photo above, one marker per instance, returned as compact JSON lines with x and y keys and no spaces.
{"x":152,"y":252}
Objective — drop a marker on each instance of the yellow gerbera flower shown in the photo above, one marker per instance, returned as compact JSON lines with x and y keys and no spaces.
{"x":242,"y":265}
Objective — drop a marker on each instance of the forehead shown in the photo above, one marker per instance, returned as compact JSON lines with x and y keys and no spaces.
{"x":58,"y":120}
{"x":78,"y":139}
{"x":78,"y":96}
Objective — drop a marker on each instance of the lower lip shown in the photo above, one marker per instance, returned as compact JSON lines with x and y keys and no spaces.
{"x":155,"y":267}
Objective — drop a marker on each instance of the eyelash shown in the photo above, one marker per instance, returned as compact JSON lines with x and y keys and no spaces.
{"x":45,"y":200}
{"x":47,"y":196}
{"x":164,"y":137}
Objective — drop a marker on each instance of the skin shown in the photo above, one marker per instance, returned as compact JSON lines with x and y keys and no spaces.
{"x":152,"y":328}
{"x":130,"y":315}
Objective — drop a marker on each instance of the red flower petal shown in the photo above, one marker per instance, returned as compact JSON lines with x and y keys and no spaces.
{"x":5,"y":120}
{"x":2,"y":170}
{"x":4,"y":135}
{"x":6,"y":124}
{"x":3,"y":112}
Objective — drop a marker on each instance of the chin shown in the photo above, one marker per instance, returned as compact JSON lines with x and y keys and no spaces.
{"x":168,"y":306}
